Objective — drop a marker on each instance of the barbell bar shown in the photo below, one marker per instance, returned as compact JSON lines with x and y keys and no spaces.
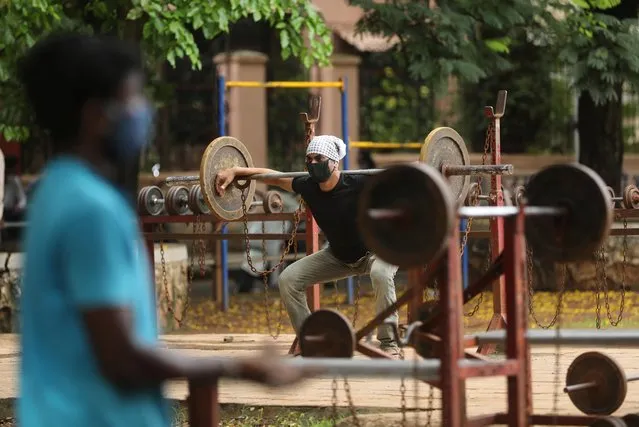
{"x":568,"y":216}
{"x":443,"y":149}
{"x":596,"y":383}
{"x":576,"y":337}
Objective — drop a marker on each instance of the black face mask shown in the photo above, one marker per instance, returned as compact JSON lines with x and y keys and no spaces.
{"x":320,"y":171}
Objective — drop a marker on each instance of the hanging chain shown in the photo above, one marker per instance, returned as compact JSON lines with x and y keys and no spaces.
{"x":531,"y":293}
{"x":602,"y":285}
{"x":481,"y":295}
{"x":351,"y":405}
{"x":490,"y":135}
{"x":265,"y":273}
{"x":334,"y":401}
{"x":165,"y":281}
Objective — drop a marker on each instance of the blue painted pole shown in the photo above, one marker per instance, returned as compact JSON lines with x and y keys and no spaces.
{"x":464,"y":260}
{"x":349,"y":282}
{"x":221,"y":117}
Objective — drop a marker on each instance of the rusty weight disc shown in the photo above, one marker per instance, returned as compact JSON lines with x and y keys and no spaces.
{"x":273,"y":202}
{"x":474,"y":191}
{"x":609,"y":393}
{"x":150,"y":200}
{"x":631,"y":420}
{"x":444,"y":146}
{"x":177,"y":200}
{"x":583,"y":229}
{"x":196,"y":201}
{"x":422,"y":232}
{"x":327,"y":333}
{"x":223,"y":153}
{"x":631,"y":197}
{"x":518,"y":194}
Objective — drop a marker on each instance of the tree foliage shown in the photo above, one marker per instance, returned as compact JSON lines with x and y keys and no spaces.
{"x":166,"y":32}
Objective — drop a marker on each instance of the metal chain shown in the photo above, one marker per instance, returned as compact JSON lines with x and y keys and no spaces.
{"x":531,"y":293}
{"x":490,"y":134}
{"x":604,"y":281}
{"x":334,"y":400}
{"x":292,"y":241}
{"x":267,"y":302}
{"x":481,"y":295}
{"x":351,"y":405}
{"x":165,"y":280}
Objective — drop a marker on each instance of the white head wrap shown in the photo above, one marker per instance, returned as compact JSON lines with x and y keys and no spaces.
{"x":327,"y":145}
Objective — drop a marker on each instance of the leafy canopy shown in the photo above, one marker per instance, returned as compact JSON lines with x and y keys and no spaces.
{"x":166,"y":31}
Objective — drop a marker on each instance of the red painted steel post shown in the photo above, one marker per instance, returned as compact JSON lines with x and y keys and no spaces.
{"x":204,"y":408}
{"x":451,"y":302}
{"x":498,"y":320}
{"x":312,"y":246}
{"x":519,"y":389}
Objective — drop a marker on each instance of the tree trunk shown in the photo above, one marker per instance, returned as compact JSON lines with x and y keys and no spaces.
{"x":601,"y":137}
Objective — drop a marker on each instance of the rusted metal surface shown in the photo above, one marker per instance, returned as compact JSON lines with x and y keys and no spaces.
{"x":422,"y":195}
{"x":223,"y":153}
{"x":444,"y":147}
{"x":584,"y":228}
{"x":607,"y":380}
{"x":450,"y":170}
{"x":157,"y":236}
{"x":187,"y":219}
{"x":196,"y":201}
{"x":273,"y":202}
{"x":631,"y":197}
{"x":176,"y":201}
{"x":327,"y":333}
{"x":150,"y":201}
{"x":204,"y":407}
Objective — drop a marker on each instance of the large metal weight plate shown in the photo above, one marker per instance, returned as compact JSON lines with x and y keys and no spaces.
{"x":223,"y":153}
{"x":273,"y":202}
{"x":420,"y":234}
{"x":631,"y":420}
{"x":196,"y":201}
{"x":444,"y":146}
{"x":327,"y":333}
{"x":576,"y":235}
{"x":609,"y":393}
{"x":177,"y":199}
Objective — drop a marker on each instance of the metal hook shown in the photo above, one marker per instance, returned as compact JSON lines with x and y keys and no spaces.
{"x":500,"y":108}
{"x":403,"y":342}
{"x":314,"y":107}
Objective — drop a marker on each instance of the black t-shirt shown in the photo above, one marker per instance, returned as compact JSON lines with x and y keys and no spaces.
{"x":336,"y":213}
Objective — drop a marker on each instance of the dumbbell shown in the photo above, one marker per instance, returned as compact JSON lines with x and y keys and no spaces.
{"x":151,"y":200}
{"x":630,"y":199}
{"x":596,"y":384}
{"x":272,"y":202}
{"x":475,"y":195}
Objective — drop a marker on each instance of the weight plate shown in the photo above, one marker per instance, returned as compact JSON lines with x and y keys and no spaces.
{"x":611,"y":194}
{"x":630,"y":199}
{"x":422,"y":232}
{"x":142,"y":201}
{"x":631,"y":420}
{"x":273,"y":202}
{"x":519,"y":193}
{"x":196,"y":201}
{"x":474,"y":191}
{"x":609,"y":422}
{"x":609,"y":393}
{"x":444,"y":146}
{"x":327,"y":333}
{"x":177,"y":200}
{"x":152,"y":200}
{"x":223,"y":153}
{"x":576,"y":235}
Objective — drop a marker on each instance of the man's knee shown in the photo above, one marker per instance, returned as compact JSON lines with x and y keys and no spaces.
{"x":287,"y":282}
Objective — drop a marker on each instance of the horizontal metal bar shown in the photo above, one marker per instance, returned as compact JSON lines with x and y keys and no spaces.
{"x":450,"y":170}
{"x":582,"y":386}
{"x":187,"y":219}
{"x":186,"y":178}
{"x":284,"y":85}
{"x":220,"y":236}
{"x":499,"y":211}
{"x":381,"y":145}
{"x":582,"y":337}
{"x":297,"y":174}
{"x":426,"y":369}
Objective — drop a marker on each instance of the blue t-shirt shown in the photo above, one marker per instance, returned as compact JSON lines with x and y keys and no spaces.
{"x":83,"y":250}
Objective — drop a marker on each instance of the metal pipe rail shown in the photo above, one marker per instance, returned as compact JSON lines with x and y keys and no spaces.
{"x":578,"y":337}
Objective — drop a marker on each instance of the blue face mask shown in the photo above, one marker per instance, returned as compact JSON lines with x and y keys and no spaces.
{"x":131,"y":131}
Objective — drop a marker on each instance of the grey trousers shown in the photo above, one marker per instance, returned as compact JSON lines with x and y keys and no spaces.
{"x":322,"y":267}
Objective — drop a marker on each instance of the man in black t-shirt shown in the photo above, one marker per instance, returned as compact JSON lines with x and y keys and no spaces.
{"x":332,"y":197}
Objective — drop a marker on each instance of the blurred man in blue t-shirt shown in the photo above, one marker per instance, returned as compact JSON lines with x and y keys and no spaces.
{"x":89,"y":352}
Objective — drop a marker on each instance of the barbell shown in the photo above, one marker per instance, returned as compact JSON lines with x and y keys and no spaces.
{"x":596,"y":384}
{"x":407,"y":213}
{"x":179,"y":200}
{"x":444,"y":149}
{"x":630,"y":198}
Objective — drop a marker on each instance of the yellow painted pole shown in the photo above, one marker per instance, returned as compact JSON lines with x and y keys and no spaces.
{"x":290,"y":85}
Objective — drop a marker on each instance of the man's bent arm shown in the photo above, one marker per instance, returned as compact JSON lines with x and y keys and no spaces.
{"x":284,"y":183}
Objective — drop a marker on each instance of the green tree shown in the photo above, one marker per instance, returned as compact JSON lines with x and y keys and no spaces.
{"x":165,"y":30}
{"x":596,"y":40}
